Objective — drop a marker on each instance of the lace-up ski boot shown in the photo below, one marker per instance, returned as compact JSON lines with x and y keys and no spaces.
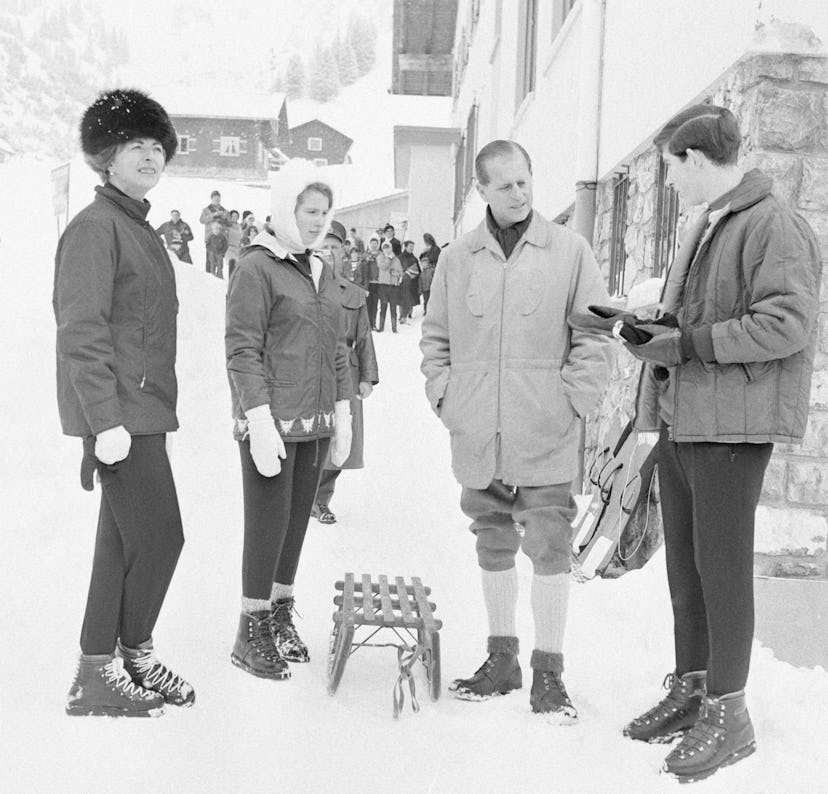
{"x":675,"y":714}
{"x":548,"y":695}
{"x":147,"y":671}
{"x":102,"y":688}
{"x":287,"y":639}
{"x":498,"y":675}
{"x":255,"y":651}
{"x":722,"y":735}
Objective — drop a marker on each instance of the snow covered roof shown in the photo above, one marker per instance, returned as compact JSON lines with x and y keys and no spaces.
{"x":219,"y":102}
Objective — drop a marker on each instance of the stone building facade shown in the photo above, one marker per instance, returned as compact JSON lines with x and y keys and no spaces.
{"x":782,"y":103}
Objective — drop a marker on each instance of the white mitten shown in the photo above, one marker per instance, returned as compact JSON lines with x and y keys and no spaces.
{"x":112,"y":445}
{"x":266,"y":445}
{"x":341,"y":445}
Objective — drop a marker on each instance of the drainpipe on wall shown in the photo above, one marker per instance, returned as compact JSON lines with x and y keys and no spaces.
{"x":593,"y":17}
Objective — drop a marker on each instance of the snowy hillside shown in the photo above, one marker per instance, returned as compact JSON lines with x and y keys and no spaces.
{"x":399,"y":516}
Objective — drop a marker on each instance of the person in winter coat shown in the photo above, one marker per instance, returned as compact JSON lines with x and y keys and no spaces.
{"x":234,"y":235}
{"x":358,"y":272}
{"x":291,"y":394}
{"x":115,"y":306}
{"x":213,"y":212}
{"x":410,"y":287}
{"x":216,"y":245}
{"x":371,"y":256}
{"x":249,"y":228}
{"x":177,"y":234}
{"x":357,"y":241}
{"x":432,"y":250}
{"x":390,"y":275}
{"x":511,"y":382}
{"x":731,"y":380}
{"x":363,"y":365}
{"x":389,"y":235}
{"x":426,"y":277}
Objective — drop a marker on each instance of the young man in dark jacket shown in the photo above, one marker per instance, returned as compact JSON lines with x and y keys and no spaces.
{"x":731,"y":380}
{"x":177,"y":234}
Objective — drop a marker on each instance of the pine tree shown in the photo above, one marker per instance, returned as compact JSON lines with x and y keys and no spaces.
{"x":295,"y":76}
{"x":323,"y":84}
{"x":345,"y":61}
{"x":362,"y":36}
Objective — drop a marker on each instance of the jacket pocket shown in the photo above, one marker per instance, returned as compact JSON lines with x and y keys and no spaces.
{"x":461,"y":397}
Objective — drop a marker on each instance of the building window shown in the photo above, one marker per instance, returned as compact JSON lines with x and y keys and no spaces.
{"x":560,"y":11}
{"x":618,"y":252}
{"x":314,"y":144}
{"x":229,"y":146}
{"x":186,"y":144}
{"x":666,"y":220}
{"x":459,"y":177}
{"x":471,"y":149}
{"x":527,"y":48}
{"x":320,"y":161}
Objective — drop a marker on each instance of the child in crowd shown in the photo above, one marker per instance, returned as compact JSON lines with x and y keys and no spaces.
{"x":216,"y":247}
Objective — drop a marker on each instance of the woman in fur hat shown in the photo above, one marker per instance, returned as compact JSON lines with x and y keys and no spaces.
{"x":115,"y":306}
{"x":291,"y":388}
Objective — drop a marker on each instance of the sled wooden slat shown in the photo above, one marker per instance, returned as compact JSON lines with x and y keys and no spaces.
{"x":388,"y":615}
{"x":367,"y":609}
{"x":385,"y":605}
{"x":423,"y":607}
{"x":405,"y":606}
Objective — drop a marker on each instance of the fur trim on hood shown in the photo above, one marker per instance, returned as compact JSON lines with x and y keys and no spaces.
{"x":288,"y":183}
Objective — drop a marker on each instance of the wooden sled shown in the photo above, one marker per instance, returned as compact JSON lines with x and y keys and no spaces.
{"x":401,"y":608}
{"x":624,"y":507}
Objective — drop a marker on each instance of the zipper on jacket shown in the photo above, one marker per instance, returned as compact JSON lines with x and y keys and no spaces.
{"x":144,"y":336}
{"x":500,"y":348}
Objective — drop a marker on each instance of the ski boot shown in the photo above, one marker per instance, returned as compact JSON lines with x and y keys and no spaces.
{"x":147,"y":671}
{"x":498,"y":675}
{"x":548,"y":695}
{"x":287,"y":639}
{"x":254,"y":651}
{"x":675,"y":714}
{"x":102,"y":688}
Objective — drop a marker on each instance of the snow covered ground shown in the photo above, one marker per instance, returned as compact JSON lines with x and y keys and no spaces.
{"x":399,"y":516}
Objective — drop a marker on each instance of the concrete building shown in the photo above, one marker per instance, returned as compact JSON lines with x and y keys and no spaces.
{"x":583,"y":85}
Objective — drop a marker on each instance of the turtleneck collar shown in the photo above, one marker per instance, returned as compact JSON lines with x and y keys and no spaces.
{"x":137,"y":209}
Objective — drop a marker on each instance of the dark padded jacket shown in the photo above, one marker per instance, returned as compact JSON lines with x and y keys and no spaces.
{"x":115,"y":304}
{"x":284,"y":342}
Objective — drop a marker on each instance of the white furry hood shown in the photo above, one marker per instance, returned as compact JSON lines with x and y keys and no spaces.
{"x":288,"y":183}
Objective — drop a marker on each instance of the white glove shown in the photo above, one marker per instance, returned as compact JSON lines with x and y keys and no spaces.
{"x":343,"y":432}
{"x":266,"y":445}
{"x":112,"y":445}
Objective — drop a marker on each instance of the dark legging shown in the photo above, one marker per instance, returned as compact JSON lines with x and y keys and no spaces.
{"x":709,"y":493}
{"x":136,"y":549}
{"x":373,"y":302}
{"x":389,"y":295}
{"x":276,"y":513}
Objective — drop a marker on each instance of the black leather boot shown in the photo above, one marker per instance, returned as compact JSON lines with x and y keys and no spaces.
{"x":255,"y":651}
{"x":675,"y":714}
{"x":498,"y":675}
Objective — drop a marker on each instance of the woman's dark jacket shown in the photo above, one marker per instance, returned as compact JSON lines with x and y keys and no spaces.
{"x":284,"y":342}
{"x":115,"y":304}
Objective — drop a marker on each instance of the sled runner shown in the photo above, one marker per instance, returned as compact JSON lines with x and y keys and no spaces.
{"x":621,"y":528}
{"x":402,"y":608}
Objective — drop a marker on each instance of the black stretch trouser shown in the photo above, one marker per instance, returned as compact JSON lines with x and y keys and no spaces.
{"x":389,"y":296}
{"x":276,"y":513}
{"x":709,"y":494}
{"x":136,"y":549}
{"x":327,"y":483}
{"x":373,"y":302}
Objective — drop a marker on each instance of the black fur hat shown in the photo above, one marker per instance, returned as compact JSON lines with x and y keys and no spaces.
{"x":121,"y":115}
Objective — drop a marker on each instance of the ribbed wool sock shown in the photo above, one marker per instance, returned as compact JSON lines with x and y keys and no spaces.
{"x":550,"y":598}
{"x":500,"y":592}
{"x":251,"y":605}
{"x":280,"y":591}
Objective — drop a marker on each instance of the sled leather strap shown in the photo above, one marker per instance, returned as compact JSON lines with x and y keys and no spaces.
{"x":405,"y":658}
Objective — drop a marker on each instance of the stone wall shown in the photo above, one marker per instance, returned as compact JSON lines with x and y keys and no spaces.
{"x":782,"y":103}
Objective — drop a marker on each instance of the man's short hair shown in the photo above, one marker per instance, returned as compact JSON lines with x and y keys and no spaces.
{"x":388,"y":226}
{"x":215,"y":193}
{"x":499,"y":148}
{"x":709,"y":129}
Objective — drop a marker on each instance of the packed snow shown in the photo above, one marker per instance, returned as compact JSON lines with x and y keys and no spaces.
{"x":398,"y":516}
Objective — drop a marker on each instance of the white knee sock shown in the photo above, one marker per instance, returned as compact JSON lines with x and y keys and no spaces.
{"x":280,"y":591}
{"x":251,"y":605}
{"x":500,"y":592}
{"x":550,"y":598}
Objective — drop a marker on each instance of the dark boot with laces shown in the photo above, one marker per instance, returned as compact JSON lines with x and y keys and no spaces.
{"x":498,"y":675}
{"x":722,"y":735}
{"x":102,"y":688}
{"x":147,"y":671}
{"x":675,"y":714}
{"x":255,"y":651}
{"x":548,"y":695}
{"x":287,"y":639}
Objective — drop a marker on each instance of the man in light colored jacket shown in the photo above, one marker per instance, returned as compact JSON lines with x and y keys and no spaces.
{"x":731,"y":380}
{"x":511,"y":382}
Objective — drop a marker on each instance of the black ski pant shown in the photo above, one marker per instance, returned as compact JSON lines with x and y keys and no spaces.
{"x":327,"y":483}
{"x":276,"y":514}
{"x":389,"y":296}
{"x":372,"y":302}
{"x":136,"y":549}
{"x":709,"y":493}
